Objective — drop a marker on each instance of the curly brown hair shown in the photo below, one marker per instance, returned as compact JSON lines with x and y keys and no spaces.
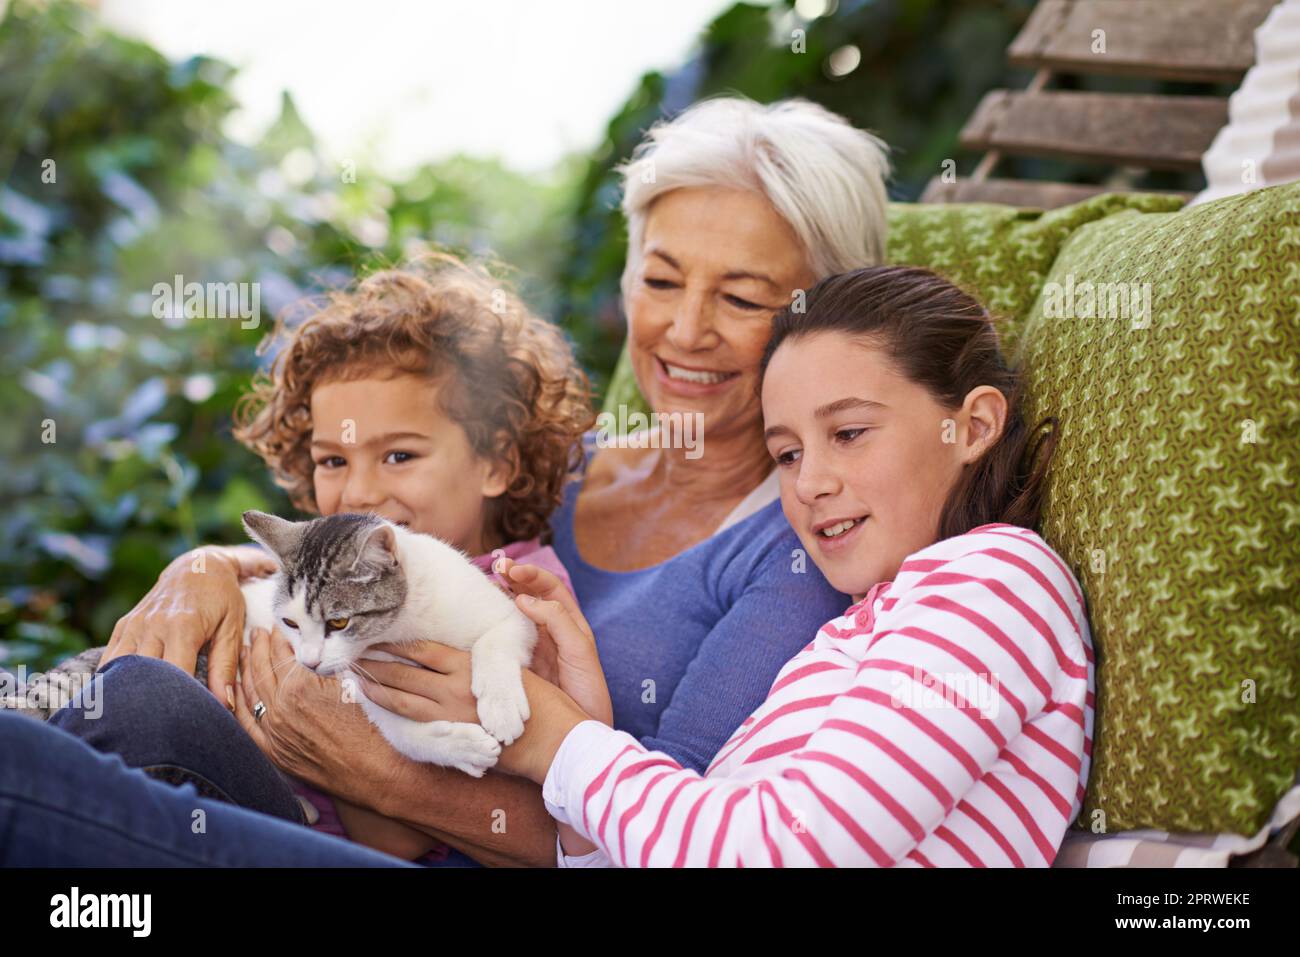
{"x":517,"y":390}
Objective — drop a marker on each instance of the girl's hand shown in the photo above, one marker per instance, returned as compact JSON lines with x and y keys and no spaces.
{"x":440,"y":691}
{"x":561,"y":624}
{"x":544,"y":662}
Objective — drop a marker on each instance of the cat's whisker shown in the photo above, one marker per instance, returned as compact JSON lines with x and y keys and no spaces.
{"x":290,"y":662}
{"x":276,"y":666}
{"x":357,"y":666}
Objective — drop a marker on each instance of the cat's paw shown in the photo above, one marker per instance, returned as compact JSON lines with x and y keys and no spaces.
{"x":503,"y":709}
{"x":498,"y":687}
{"x":466,"y":747}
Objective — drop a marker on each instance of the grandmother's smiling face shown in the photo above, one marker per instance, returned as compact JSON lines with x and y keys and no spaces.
{"x":715,"y":267}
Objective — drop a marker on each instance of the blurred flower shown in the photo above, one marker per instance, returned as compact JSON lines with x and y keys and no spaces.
{"x":89,"y":553}
{"x":199,"y":388}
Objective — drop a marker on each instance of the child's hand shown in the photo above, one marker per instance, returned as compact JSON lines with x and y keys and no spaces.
{"x":545,"y":662}
{"x":441,"y":691}
{"x":544,"y":599}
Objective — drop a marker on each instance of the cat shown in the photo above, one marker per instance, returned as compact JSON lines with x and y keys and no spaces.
{"x":349,"y":581}
{"x":393,"y":585}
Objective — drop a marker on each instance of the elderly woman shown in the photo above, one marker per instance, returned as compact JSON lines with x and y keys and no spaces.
{"x":682,"y":562}
{"x":732,"y":209}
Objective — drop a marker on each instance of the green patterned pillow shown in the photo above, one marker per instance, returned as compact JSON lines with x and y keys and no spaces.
{"x":1000,"y":254}
{"x":1173,"y":498}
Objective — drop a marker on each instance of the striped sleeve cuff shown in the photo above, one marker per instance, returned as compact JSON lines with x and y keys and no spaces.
{"x":584,"y":753}
{"x":596,"y":858}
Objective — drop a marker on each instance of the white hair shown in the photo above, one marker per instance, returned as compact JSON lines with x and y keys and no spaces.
{"x":823,"y":176}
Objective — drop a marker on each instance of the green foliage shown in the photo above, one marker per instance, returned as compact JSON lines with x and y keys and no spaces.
{"x":116,"y":176}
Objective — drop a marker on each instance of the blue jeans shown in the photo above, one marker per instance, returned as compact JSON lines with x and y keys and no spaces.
{"x":164,"y":776}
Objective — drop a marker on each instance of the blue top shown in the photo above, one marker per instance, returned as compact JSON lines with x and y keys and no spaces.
{"x":691,"y":646}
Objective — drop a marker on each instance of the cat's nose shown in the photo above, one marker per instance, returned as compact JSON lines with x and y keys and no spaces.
{"x":310,"y":659}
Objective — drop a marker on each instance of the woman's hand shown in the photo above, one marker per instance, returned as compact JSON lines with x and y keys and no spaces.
{"x":313,"y":729}
{"x":196,"y":600}
{"x":250,"y":560}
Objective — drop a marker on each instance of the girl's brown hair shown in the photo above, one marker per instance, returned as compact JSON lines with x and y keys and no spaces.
{"x":944,"y":340}
{"x":515,"y":387}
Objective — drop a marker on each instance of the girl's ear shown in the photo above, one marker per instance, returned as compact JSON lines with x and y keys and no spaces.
{"x":499,"y":471}
{"x":985,"y":412}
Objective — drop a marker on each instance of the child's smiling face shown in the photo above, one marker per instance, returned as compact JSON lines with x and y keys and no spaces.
{"x":865,"y":454}
{"x":402,"y":459}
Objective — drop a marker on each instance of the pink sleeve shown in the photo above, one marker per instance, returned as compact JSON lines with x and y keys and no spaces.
{"x":530,"y":553}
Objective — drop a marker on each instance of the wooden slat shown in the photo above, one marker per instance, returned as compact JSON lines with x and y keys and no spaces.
{"x":1019,"y":192}
{"x":1208,"y":40}
{"x":1151,"y":132}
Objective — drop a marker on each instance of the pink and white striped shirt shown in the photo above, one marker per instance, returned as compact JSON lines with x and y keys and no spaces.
{"x":944,"y":720}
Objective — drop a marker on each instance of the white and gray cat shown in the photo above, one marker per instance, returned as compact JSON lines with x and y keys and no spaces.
{"x":347,"y":582}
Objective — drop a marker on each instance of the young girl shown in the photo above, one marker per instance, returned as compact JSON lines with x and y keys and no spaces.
{"x":432,"y":397}
{"x":946,"y":717}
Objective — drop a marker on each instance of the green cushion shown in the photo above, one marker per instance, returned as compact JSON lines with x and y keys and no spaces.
{"x":1001,"y":254}
{"x":1173,"y":498}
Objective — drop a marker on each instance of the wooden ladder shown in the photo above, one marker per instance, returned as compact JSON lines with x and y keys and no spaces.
{"x":1186,"y":40}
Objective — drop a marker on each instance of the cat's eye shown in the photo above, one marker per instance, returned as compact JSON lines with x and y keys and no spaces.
{"x":291,"y":623}
{"x":336,"y":624}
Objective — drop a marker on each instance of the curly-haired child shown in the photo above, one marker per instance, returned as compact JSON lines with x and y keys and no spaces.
{"x":429,"y":395}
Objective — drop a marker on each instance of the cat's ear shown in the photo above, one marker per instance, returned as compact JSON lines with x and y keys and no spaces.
{"x":376,"y":554}
{"x":280,"y":535}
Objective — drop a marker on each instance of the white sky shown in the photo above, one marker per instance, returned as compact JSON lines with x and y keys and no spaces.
{"x":393,"y":84}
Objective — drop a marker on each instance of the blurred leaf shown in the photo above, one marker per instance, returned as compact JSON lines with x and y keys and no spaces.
{"x":239,"y":496}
